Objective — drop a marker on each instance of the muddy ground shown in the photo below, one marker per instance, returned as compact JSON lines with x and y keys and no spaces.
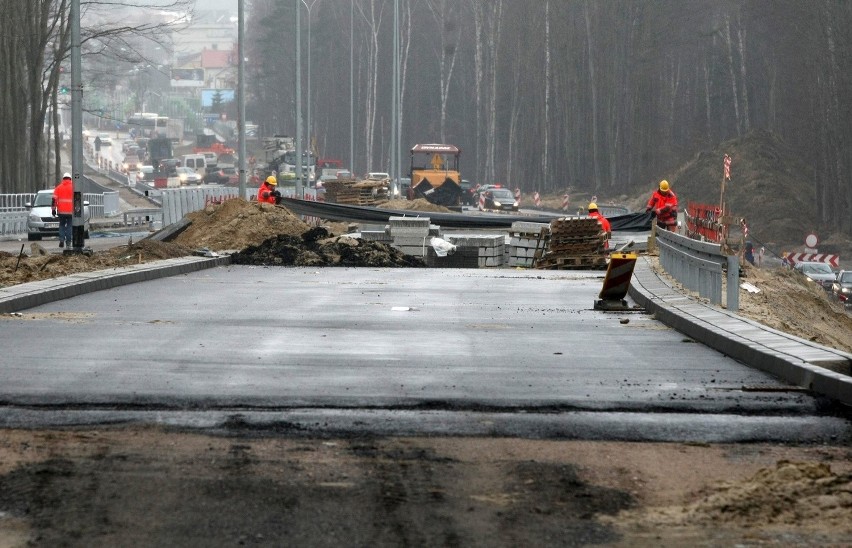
{"x":151,"y":487}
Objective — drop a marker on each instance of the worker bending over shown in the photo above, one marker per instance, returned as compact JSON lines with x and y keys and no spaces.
{"x":663,"y":204}
{"x":268,"y":192}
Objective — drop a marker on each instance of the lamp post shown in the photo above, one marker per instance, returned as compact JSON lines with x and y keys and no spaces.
{"x":308,"y":115}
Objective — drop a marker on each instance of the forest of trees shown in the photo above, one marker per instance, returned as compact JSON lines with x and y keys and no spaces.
{"x":548,"y":94}
{"x":597,"y":96}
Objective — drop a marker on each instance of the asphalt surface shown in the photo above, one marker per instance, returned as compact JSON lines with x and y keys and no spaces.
{"x":388,"y":351}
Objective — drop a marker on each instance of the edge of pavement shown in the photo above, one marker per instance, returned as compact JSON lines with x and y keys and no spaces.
{"x":32,"y":294}
{"x":792,"y":359}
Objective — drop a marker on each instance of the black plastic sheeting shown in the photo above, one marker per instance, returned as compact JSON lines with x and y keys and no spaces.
{"x":632,"y":222}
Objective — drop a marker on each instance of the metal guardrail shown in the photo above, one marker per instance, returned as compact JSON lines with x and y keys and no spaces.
{"x":699,"y":267}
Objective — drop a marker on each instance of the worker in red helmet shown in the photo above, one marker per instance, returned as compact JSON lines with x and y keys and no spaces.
{"x":663,"y":205}
{"x":63,"y":207}
{"x":268,"y":191}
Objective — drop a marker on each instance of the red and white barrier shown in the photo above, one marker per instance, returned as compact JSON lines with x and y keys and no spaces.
{"x":565,"y":201}
{"x":518,"y":196}
{"x":481,"y":201}
{"x":537,"y":199}
{"x":832,"y":260}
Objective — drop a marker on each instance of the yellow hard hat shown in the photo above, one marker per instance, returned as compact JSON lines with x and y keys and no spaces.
{"x":664,"y":186}
{"x":592,"y":206}
{"x":271,"y":180}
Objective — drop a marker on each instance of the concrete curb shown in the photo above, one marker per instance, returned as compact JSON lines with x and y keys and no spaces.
{"x":792,"y":359}
{"x":29,"y":295}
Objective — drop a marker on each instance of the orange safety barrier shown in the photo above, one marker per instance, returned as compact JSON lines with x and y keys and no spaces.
{"x":616,"y":282}
{"x":703,"y":223}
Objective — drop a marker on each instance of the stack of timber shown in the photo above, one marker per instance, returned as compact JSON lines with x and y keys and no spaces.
{"x":362,"y":193}
{"x":575,"y":243}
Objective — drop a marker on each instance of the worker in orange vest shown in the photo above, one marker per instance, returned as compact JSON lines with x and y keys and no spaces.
{"x":604,"y":222}
{"x":663,"y":204}
{"x":63,"y":206}
{"x":268,"y":192}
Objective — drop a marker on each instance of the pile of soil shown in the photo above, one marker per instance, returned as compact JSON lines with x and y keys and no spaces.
{"x":236,"y":224}
{"x":805,"y":494}
{"x":318,"y":247}
{"x":419,"y":204}
{"x":42,"y":265}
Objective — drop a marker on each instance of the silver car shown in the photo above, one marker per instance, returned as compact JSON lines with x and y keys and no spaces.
{"x":41,"y":222}
{"x":819,"y":273}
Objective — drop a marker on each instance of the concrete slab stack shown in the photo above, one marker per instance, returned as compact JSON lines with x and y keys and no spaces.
{"x":411,"y":235}
{"x":491,"y":248}
{"x":525,"y":239}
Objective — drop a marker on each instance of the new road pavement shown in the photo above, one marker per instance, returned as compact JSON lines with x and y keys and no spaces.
{"x":384,"y":351}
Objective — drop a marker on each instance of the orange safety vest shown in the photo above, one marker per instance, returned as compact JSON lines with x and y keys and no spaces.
{"x":601,"y":219}
{"x":658,"y":201}
{"x":63,"y":197}
{"x":264,"y":193}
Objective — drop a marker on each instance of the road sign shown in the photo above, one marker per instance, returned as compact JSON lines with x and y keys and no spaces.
{"x":811,"y":240}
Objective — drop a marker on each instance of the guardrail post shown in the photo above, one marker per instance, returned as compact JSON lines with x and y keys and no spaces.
{"x":733,"y":292}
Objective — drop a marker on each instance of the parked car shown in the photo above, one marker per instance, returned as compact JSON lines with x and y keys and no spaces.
{"x":41,"y":222}
{"x":819,"y":273}
{"x":188,"y":176}
{"x":500,"y":199}
{"x":841,"y":288}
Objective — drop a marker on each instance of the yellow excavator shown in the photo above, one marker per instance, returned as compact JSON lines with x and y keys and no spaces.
{"x":435,"y":174}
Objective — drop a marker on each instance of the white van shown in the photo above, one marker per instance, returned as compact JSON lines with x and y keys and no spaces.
{"x":196,"y":162}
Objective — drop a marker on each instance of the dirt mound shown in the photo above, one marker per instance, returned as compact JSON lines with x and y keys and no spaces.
{"x":420,"y":204}
{"x":237,"y":224}
{"x":41,"y":265}
{"x":791,"y":493}
{"x":317,"y":247}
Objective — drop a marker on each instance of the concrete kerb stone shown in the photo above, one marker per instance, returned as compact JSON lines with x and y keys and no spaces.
{"x":29,"y":295}
{"x":798,"y":363}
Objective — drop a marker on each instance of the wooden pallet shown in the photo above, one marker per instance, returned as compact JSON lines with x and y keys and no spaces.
{"x":589,"y":262}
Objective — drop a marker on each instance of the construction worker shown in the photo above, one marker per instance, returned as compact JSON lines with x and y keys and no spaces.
{"x":663,"y":205}
{"x":595,"y":214}
{"x":268,"y":191}
{"x":63,"y":207}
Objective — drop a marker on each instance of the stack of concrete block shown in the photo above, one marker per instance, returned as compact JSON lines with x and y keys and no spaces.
{"x":525,"y":239}
{"x":412,"y":235}
{"x":377,"y":233}
{"x":491,"y":248}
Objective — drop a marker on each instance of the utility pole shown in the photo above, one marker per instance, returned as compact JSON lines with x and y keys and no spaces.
{"x":241,"y":94}
{"x":77,"y":220}
{"x":299,"y":191}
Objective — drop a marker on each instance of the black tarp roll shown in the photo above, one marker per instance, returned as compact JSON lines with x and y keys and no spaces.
{"x":631,"y":222}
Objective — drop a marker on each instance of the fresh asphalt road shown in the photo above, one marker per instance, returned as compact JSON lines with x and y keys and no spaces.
{"x":498,"y":352}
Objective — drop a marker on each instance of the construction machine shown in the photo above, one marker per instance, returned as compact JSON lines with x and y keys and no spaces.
{"x":435,"y":174}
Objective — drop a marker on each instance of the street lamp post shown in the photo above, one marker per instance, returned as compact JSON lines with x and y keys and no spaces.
{"x":308,"y":102}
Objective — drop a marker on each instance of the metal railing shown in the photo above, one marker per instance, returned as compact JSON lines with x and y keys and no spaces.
{"x":699,"y":267}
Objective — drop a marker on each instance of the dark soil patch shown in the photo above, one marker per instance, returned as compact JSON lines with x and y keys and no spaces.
{"x":316,"y":247}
